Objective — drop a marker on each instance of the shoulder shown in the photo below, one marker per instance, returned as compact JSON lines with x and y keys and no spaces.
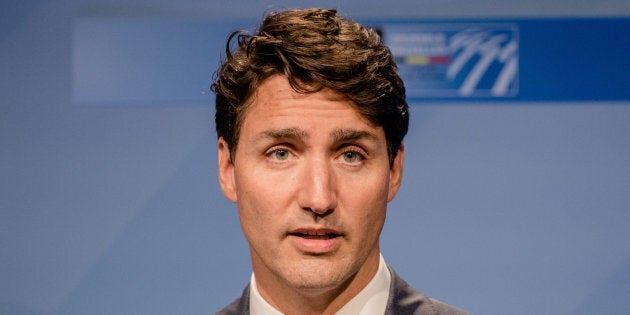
{"x":239,"y":306}
{"x":403,"y":299}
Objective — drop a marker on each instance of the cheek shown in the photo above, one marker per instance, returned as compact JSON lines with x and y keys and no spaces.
{"x":368,"y":199}
{"x":372,"y":188}
{"x":263,"y":191}
{"x":262,"y":199}
{"x":256,"y":218}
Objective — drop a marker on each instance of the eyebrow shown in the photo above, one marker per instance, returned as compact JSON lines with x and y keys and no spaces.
{"x":285,"y":133}
{"x":342,"y":135}
{"x":338,"y":135}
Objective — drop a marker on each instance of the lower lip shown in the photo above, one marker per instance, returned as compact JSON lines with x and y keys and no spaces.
{"x":315,"y":246}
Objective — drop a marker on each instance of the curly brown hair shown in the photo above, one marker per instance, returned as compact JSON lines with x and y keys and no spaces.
{"x":313,"y":49}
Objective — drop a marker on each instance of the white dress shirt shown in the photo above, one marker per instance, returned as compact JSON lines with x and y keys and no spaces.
{"x":372,"y":300}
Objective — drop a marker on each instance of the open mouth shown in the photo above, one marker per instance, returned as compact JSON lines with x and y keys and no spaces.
{"x":316,"y":240}
{"x":315,"y":235}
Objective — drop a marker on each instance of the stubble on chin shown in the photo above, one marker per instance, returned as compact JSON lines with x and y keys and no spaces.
{"x":317,"y":274}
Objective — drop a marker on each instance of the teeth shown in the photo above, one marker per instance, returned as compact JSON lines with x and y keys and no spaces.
{"x":316,"y":234}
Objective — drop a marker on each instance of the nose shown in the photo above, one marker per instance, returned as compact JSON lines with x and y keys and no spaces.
{"x":317,"y":191}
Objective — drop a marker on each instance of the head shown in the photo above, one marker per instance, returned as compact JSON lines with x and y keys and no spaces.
{"x":310,"y":117}
{"x":313,"y":49}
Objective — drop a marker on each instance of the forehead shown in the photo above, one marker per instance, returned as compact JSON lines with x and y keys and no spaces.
{"x":277,"y":88}
{"x":276,"y":102}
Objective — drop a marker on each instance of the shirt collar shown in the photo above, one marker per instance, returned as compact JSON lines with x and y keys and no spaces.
{"x":372,"y":300}
{"x":257,"y":304}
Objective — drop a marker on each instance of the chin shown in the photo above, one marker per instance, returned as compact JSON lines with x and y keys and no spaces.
{"x":317,"y":277}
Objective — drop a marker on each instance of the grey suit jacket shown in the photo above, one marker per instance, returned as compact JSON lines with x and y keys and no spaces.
{"x":403,"y":300}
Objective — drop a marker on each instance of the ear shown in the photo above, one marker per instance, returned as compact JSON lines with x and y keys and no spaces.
{"x":226,"y":171}
{"x":395,"y":173}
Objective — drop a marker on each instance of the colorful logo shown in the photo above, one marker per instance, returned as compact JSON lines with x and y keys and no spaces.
{"x":456,"y":60}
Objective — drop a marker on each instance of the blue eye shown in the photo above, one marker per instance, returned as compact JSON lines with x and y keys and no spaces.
{"x":351,"y":157}
{"x":280,"y":155}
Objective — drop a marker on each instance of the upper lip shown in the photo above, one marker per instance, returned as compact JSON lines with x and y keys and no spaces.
{"x":315,"y":231}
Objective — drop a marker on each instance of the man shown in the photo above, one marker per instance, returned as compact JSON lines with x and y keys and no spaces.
{"x":310,"y":116}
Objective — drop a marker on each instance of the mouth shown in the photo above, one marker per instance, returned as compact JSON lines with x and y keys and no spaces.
{"x":316,"y":241}
{"x":315,"y":234}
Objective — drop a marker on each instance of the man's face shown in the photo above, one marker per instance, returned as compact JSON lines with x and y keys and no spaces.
{"x":311,"y":179}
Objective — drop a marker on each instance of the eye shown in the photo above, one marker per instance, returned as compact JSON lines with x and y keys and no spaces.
{"x":352,"y":157}
{"x":279,"y":154}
